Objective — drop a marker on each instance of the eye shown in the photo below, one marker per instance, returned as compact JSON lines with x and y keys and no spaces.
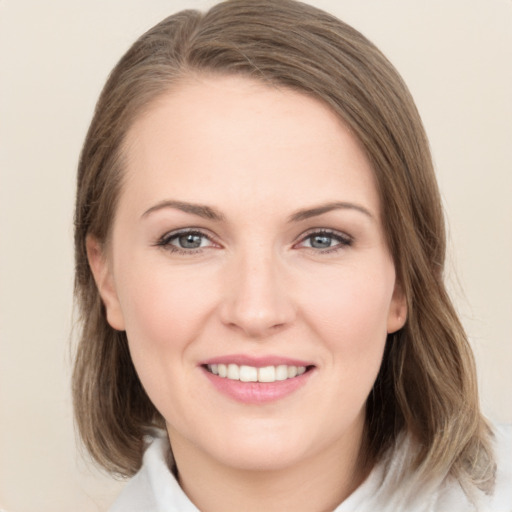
{"x":189,"y":241}
{"x":325,"y":241}
{"x":185,"y":241}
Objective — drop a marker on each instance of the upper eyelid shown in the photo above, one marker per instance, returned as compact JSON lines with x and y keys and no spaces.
{"x":343,"y":240}
{"x":181,"y":231}
{"x":325,"y":231}
{"x":171,"y":235}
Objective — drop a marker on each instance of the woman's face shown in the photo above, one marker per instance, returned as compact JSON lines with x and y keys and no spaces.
{"x":249,"y":268}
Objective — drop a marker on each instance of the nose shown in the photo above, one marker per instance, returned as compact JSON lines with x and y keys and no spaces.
{"x":257,"y":300}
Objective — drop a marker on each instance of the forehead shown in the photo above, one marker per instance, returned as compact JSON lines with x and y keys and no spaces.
{"x":211,"y":135}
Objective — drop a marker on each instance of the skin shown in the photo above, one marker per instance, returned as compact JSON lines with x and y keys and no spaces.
{"x":257,"y":286}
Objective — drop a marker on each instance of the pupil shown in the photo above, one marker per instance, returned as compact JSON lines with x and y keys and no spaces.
{"x":321,"y":241}
{"x":190,"y":241}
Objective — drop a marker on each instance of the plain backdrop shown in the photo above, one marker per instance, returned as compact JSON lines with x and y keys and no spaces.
{"x":455,"y":55}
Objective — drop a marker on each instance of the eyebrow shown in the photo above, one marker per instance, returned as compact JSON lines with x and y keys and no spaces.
{"x":207,"y":212}
{"x":201,"y":210}
{"x":325,"y":208}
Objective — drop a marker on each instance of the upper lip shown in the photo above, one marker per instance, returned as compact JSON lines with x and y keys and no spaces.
{"x":256,"y":361}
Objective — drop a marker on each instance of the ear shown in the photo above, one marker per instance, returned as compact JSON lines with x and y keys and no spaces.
{"x":102,"y":272}
{"x":397,"y":309}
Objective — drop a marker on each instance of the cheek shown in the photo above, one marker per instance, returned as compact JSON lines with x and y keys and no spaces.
{"x":164,"y":310}
{"x":350,"y":317}
{"x":352,"y":300}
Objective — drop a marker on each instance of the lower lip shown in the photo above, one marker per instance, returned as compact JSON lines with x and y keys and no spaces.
{"x":257,"y":392}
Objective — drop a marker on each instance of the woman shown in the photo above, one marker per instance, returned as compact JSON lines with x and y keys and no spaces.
{"x":259,"y":257}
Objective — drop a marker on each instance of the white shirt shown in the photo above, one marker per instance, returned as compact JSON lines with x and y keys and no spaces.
{"x":154,"y":488}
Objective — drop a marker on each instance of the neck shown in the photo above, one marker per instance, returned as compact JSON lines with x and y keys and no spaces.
{"x":315,"y":484}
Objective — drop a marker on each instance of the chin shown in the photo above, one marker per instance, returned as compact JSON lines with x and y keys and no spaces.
{"x":266,"y":458}
{"x":267,"y":449}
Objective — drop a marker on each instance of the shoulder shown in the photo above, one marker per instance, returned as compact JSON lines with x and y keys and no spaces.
{"x":136,"y":496}
{"x":502,"y":497}
{"x":500,"y":500}
{"x":154,"y":488}
{"x":450,"y":495}
{"x":387,"y":490}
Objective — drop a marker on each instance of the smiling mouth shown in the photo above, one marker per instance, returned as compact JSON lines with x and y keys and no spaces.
{"x":245,"y":373}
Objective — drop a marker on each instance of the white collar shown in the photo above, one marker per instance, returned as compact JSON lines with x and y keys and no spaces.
{"x":155,"y":489}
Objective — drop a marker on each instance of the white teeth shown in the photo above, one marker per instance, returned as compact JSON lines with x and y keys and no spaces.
{"x":281,"y":372}
{"x":267,"y":374}
{"x":292,"y":372}
{"x":246,"y":373}
{"x":233,"y":372}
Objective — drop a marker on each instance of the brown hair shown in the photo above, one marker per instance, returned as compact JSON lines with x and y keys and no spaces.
{"x":427,"y":384}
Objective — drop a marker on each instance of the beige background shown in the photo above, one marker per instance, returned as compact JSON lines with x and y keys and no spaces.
{"x":54,"y":57}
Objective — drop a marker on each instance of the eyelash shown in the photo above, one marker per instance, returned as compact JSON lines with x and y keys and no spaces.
{"x":166,"y":241}
{"x":343,"y":240}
